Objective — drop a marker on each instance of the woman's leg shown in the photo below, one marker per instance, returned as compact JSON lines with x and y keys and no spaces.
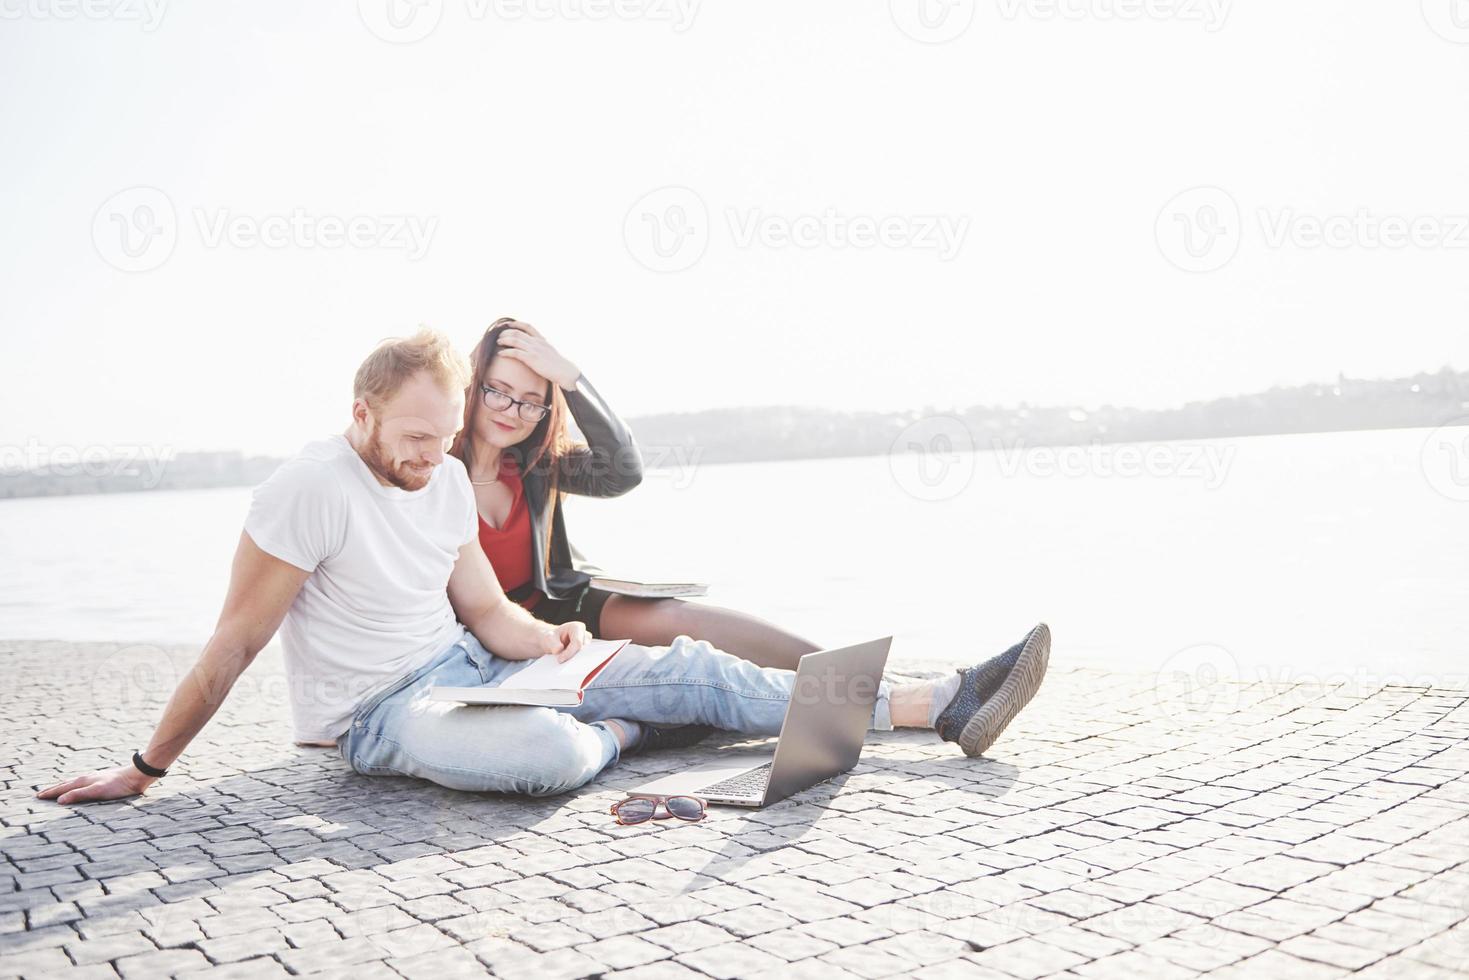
{"x":690,"y":682}
{"x":655,"y":622}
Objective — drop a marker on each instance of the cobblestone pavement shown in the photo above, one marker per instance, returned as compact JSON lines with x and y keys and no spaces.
{"x":1122,"y":827}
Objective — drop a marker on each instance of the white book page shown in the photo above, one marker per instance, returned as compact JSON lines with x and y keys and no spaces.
{"x":643,"y":589}
{"x":545,"y":674}
{"x":643,"y":577}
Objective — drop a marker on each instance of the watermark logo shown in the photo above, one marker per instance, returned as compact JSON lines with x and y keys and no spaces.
{"x":1211,"y":14}
{"x":133,"y":677}
{"x":1445,"y":459}
{"x":135,"y":230}
{"x":400,"y":21}
{"x":1458,"y":900}
{"x":1200,"y":229}
{"x":932,"y":459}
{"x":1197,"y":684}
{"x":1449,"y":19}
{"x":932,"y":21}
{"x":667,"y":230}
{"x":148,"y":14}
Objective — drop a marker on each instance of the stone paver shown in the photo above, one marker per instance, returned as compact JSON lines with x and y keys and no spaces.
{"x":1121,"y":829}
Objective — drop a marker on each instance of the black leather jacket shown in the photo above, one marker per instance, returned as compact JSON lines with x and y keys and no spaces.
{"x":607,"y":466}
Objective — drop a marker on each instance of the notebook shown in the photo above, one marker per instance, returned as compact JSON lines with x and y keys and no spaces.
{"x":545,"y":682}
{"x":647,"y":589}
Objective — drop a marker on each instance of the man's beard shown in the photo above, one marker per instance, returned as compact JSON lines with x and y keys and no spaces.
{"x":375,"y":454}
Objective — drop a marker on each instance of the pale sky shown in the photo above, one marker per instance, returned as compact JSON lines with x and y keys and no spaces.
{"x":1022,"y":166}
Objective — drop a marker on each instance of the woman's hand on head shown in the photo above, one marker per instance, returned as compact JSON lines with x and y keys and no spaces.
{"x":524,"y":343}
{"x":565,"y":641}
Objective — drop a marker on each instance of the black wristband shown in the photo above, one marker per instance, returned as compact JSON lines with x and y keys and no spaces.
{"x":146,"y":769}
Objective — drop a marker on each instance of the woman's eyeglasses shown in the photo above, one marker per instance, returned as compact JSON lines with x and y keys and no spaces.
{"x":640,"y":809}
{"x":498,"y":401}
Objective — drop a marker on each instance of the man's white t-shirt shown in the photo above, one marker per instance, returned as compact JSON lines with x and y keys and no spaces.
{"x":375,"y":606}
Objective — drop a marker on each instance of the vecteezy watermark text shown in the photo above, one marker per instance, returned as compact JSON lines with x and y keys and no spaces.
{"x":669,"y":229}
{"x":1211,"y":14}
{"x":940,"y":233}
{"x":934,"y":458}
{"x":1363,"y":229}
{"x":940,"y":21}
{"x":1207,"y":462}
{"x":148,"y":14}
{"x":679,"y":14}
{"x":677,"y":464}
{"x":409,"y":21}
{"x":97,"y":461}
{"x":300,"y":229}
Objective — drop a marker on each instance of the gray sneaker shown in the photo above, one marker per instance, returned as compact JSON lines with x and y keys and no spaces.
{"x":992,"y":693}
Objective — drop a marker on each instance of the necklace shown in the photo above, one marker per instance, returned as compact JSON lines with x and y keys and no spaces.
{"x":499,"y":465}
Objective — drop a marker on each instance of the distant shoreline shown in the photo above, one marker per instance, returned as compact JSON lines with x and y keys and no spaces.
{"x":785,"y":434}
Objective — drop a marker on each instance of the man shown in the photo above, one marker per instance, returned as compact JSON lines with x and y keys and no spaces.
{"x":364,"y":551}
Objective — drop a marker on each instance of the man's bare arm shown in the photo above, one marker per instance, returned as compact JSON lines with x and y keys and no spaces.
{"x":501,"y":626}
{"x":261,"y":590}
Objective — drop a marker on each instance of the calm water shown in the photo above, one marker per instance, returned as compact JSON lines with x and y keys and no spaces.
{"x":1335,"y":556}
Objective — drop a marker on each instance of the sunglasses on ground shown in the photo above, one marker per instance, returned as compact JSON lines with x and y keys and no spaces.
{"x":640,"y":809}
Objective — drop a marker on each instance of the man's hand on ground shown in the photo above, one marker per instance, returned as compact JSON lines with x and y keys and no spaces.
{"x":565,"y":641}
{"x":109,"y":784}
{"x":262,"y":587}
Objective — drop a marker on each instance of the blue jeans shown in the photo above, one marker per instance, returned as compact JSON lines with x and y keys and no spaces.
{"x":544,"y":751}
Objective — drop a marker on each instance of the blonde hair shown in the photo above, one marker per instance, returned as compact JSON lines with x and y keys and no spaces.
{"x":397,"y":359}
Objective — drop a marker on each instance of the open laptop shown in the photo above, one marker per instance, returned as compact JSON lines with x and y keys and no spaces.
{"x":825,"y":724}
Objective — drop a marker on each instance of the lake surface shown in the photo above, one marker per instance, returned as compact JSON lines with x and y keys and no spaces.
{"x":1338,"y":557}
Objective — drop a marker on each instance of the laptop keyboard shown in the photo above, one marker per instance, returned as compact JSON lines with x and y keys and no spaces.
{"x":751,"y":783}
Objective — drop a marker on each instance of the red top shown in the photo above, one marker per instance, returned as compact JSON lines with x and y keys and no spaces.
{"x":508,"y":547}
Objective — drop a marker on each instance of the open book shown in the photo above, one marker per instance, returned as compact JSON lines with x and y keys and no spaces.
{"x":544,"y":682}
{"x":647,"y":589}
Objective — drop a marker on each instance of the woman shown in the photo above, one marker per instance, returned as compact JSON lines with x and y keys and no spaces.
{"x":520,"y":460}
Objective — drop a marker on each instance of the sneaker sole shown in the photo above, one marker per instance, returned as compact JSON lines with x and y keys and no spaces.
{"x":1019,"y":687}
